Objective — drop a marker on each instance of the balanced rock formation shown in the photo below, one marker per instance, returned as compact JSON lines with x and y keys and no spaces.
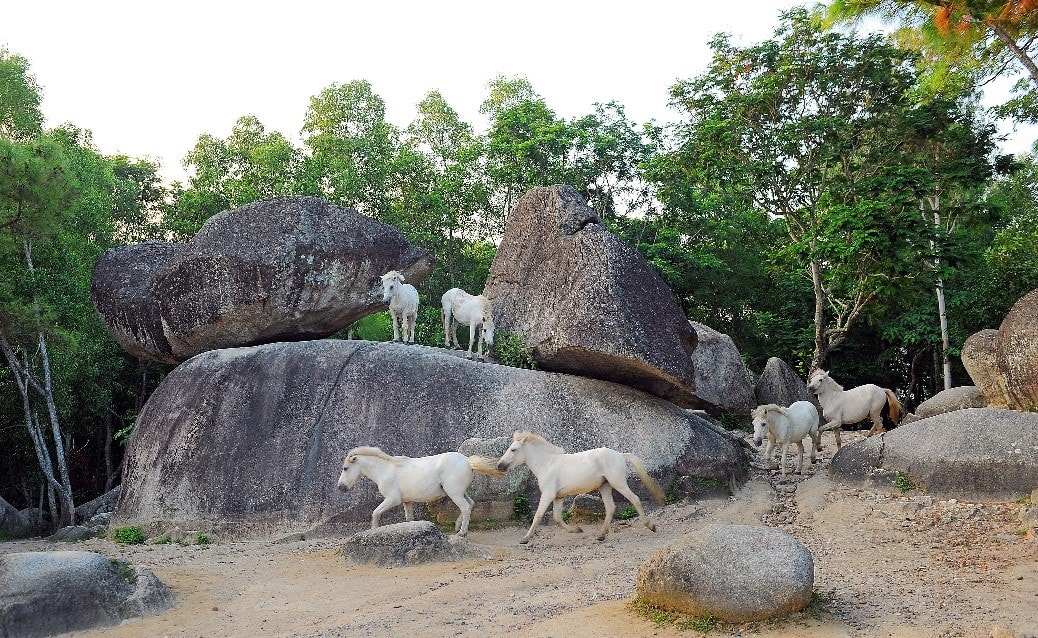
{"x":723,"y":383}
{"x":976,"y":454}
{"x":734,"y":573}
{"x":979,"y":359}
{"x":246,"y":441}
{"x":282,"y":269}
{"x":50,"y":593}
{"x":586,"y":302}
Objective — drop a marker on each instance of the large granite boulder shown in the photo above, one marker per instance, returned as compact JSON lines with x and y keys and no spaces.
{"x":723,"y":383}
{"x":958,"y":398}
{"x":978,"y":357}
{"x":1016,"y":352}
{"x":781,"y":385}
{"x":586,"y":302}
{"x":50,"y":593}
{"x":251,"y":440}
{"x":976,"y":454}
{"x":282,"y":269}
{"x":734,"y":573}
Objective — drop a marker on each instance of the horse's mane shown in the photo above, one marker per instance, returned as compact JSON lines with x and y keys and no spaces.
{"x":367,"y":450}
{"x":393,"y":274}
{"x":530,"y":437}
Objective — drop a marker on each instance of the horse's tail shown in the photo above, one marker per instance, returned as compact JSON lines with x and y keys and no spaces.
{"x":639,"y":468}
{"x":485,"y":465}
{"x":893,"y":411}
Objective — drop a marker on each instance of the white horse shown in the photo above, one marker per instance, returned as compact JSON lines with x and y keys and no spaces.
{"x":403,"y":304}
{"x":405,"y":480}
{"x":783,"y":426}
{"x":560,"y":475}
{"x":471,"y":310}
{"x":841,"y":406}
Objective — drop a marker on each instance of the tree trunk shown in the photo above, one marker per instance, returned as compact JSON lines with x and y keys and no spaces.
{"x":942,"y":309}
{"x":1020,"y":54}
{"x":821,"y":339}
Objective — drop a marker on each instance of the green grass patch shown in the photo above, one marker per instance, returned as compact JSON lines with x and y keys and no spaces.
{"x":626,"y":513}
{"x":128,"y":535}
{"x":123,"y":569}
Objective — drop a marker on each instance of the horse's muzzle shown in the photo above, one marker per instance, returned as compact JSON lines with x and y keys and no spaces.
{"x":503,"y":467}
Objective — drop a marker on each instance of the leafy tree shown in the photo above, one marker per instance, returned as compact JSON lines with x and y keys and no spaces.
{"x":351,"y":146}
{"x":20,"y":115}
{"x":806,"y":128}
{"x":964,"y":42}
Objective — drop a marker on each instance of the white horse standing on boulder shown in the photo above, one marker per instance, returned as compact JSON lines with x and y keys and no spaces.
{"x":405,"y":480}
{"x":783,"y":426}
{"x":403,"y":304}
{"x":560,"y":475}
{"x":471,"y":310}
{"x":841,"y":406}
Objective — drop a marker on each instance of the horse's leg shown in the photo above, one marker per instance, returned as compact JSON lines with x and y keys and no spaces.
{"x":542,"y":507}
{"x":464,"y":503}
{"x":769,"y":452}
{"x":408,"y":511}
{"x":785,"y":449}
{"x":390,"y":502}
{"x":472,"y":334}
{"x":445,"y":312}
{"x":620,"y":485}
{"x":877,"y":421}
{"x":396,"y":333}
{"x":610,"y":508}
{"x":556,"y":515}
{"x":800,"y":457}
{"x":839,"y":441}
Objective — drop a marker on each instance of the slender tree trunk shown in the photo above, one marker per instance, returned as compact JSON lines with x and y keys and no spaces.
{"x":942,"y":310}
{"x":821,"y":340}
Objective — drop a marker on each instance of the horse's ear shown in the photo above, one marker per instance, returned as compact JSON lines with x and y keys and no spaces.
{"x":400,"y":276}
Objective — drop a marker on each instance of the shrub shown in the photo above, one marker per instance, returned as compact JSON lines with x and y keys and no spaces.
{"x":128,"y":535}
{"x":511,"y":349}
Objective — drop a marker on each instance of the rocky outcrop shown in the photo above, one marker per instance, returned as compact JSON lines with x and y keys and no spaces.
{"x":723,"y":384}
{"x":12,"y":522}
{"x":976,"y":454}
{"x":251,"y":440}
{"x":734,"y":573}
{"x":958,"y":398}
{"x":978,"y":357}
{"x":49,"y":593}
{"x":586,"y":302}
{"x":411,"y":543}
{"x":1016,"y":353}
{"x":781,"y":385}
{"x":282,"y":269}
{"x":104,"y":503}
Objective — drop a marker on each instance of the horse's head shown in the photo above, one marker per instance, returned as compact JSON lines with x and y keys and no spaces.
{"x":391,"y":282}
{"x":817,"y":380}
{"x":760,"y":423}
{"x":350,"y":472}
{"x":516,"y":453}
{"x":487,"y":329}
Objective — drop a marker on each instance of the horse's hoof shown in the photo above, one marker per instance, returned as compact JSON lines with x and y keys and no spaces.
{"x":578,"y":529}
{"x":601,"y":537}
{"x":524,"y":541}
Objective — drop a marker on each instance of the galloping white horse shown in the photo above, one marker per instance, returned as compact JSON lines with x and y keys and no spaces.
{"x":783,"y":426}
{"x":403,"y":304}
{"x":471,"y":310}
{"x":841,"y":406}
{"x":402,"y":479}
{"x":560,"y":475}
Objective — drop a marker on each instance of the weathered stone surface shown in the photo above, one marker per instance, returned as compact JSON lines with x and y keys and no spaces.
{"x":781,"y":385}
{"x":104,"y":503}
{"x":49,"y":593}
{"x":586,"y":302}
{"x":723,"y":383}
{"x":978,"y":357}
{"x":975,"y":454}
{"x":411,"y":543}
{"x":12,"y":522}
{"x":958,"y":398}
{"x":1016,"y":352}
{"x":251,"y":440}
{"x":735,"y":573}
{"x":73,"y":533}
{"x":282,"y":269}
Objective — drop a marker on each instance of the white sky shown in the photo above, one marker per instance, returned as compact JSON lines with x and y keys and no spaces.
{"x":149,"y":77}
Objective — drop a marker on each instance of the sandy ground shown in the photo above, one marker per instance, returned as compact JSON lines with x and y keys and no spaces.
{"x":886,"y":564}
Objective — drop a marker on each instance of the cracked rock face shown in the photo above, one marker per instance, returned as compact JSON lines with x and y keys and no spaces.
{"x":1003,"y":363}
{"x":250,"y":441}
{"x":586,"y":302}
{"x":282,"y":269}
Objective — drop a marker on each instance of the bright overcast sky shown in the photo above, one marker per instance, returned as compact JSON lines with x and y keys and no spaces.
{"x":149,"y":77}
